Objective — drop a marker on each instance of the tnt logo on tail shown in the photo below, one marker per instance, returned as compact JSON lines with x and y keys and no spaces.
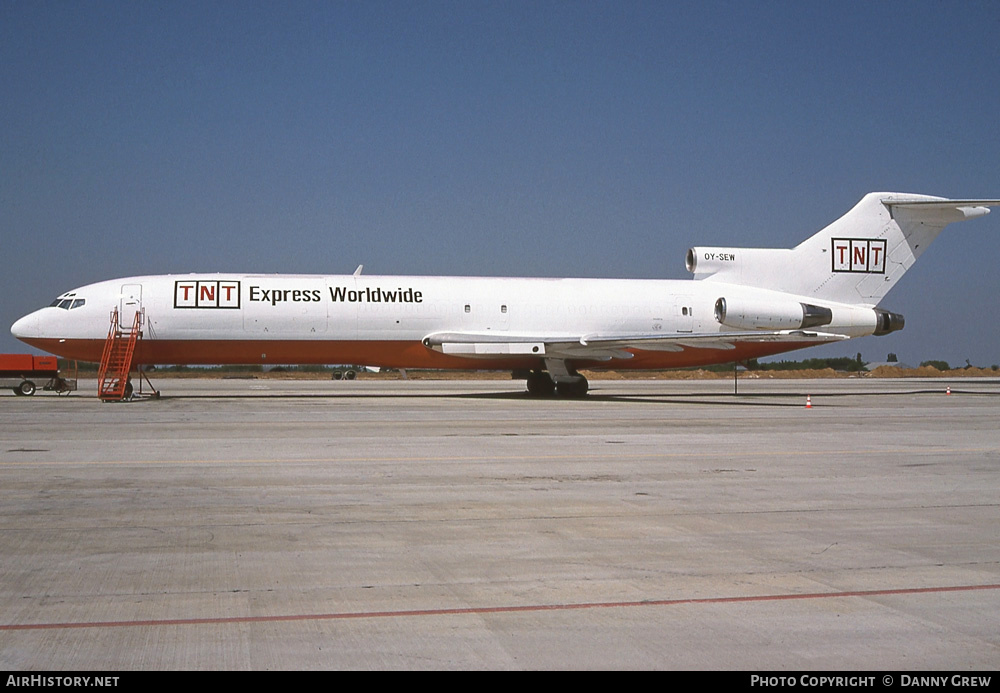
{"x":864,"y":255}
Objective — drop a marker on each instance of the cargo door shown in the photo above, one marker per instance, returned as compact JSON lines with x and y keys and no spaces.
{"x":286,"y":307}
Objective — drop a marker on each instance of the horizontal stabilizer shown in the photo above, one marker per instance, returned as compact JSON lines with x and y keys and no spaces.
{"x":941,"y":212}
{"x":943,"y":204}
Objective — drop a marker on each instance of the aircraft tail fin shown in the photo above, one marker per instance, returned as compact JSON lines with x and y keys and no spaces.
{"x":856,"y":259}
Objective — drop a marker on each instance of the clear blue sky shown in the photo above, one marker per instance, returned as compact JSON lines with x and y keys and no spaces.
{"x":500,"y":138}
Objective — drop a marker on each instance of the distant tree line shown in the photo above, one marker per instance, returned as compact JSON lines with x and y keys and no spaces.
{"x":842,"y":363}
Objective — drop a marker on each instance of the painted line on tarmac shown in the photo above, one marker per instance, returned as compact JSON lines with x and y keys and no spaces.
{"x":486,"y":610}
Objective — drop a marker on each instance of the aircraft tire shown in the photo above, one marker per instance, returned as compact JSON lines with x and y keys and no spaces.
{"x":540,"y":384}
{"x":575,"y":388}
{"x":26,"y":388}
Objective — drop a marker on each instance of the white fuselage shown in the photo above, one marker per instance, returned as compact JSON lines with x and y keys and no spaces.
{"x":382,"y":320}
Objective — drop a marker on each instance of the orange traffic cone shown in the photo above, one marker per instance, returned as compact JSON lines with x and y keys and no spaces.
{"x":809,"y":402}
{"x":948,"y":391}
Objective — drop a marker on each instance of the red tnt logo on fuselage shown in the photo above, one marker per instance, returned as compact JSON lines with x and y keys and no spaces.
{"x":190,"y":293}
{"x":865,"y":255}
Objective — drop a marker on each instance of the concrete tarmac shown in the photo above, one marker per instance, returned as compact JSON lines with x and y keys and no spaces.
{"x":262,"y":525}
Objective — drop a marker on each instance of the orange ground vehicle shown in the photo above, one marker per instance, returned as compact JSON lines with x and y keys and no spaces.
{"x":21,"y":372}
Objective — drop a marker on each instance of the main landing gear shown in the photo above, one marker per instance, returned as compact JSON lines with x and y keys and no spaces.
{"x":541,"y":384}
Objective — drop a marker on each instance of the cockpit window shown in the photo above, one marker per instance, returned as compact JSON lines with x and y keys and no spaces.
{"x":68,"y":302}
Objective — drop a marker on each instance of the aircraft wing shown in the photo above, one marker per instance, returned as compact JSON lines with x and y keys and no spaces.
{"x":605,"y":347}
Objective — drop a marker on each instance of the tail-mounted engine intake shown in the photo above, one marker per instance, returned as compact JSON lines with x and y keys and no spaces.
{"x":886,"y":322}
{"x":710,"y":260}
{"x":767,"y":315}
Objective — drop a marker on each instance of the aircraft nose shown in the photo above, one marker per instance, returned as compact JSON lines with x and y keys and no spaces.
{"x":26,"y":327}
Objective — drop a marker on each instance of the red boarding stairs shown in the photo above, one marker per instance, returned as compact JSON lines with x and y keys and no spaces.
{"x":113,"y":383}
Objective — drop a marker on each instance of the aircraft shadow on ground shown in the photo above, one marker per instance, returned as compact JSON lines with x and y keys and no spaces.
{"x":714,"y":399}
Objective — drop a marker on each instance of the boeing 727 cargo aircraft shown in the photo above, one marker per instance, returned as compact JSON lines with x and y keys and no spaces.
{"x":742,"y":304}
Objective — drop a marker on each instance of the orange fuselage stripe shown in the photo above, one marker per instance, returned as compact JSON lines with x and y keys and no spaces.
{"x":389,"y":354}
